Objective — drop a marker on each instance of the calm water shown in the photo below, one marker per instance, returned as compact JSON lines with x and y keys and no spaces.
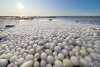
{"x":81,"y":19}
{"x":85,"y":20}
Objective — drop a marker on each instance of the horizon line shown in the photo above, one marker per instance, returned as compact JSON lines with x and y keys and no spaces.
{"x":22,"y":16}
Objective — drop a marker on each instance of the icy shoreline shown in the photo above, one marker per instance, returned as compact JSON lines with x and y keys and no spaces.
{"x":50,"y":43}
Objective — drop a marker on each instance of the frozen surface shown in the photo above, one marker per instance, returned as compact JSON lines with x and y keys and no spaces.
{"x":39,"y":41}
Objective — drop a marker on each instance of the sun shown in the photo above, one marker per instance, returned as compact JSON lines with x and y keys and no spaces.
{"x":20,"y":5}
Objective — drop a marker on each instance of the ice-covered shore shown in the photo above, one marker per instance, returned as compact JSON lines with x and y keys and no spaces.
{"x":34,"y":43}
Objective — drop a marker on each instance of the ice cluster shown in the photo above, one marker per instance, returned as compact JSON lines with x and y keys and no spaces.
{"x":35,"y":43}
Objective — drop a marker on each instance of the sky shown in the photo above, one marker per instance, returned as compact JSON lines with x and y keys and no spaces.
{"x":50,"y":8}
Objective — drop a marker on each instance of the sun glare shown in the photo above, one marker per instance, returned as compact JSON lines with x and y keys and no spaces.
{"x":20,"y":5}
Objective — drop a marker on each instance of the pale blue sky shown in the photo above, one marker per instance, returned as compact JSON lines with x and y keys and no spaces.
{"x":50,"y":8}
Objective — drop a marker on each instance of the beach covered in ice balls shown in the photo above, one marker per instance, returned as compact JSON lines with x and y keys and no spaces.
{"x":38,"y":43}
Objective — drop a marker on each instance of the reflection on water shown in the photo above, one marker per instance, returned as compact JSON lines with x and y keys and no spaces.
{"x":85,"y":20}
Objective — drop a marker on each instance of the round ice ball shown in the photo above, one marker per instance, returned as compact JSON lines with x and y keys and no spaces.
{"x":20,"y":61}
{"x":67,"y":48}
{"x":19,"y":56}
{"x":84,"y":63}
{"x":25,"y":46}
{"x":43,"y":56}
{"x":48,"y":52}
{"x":95,"y":64}
{"x":13,"y":59}
{"x":28,"y":64}
{"x":83,"y":52}
{"x":83,"y":48}
{"x":71,"y":53}
{"x":3,"y":46}
{"x":51,"y":48}
{"x":90,"y":50}
{"x":57,"y":49}
{"x":60,"y":56}
{"x":31,"y":43}
{"x":88,"y":59}
{"x":29,"y":47}
{"x":15,"y":66}
{"x":32,"y":51}
{"x":60,"y":45}
{"x":58,"y":63}
{"x":11,"y":65}
{"x":43,"y":63}
{"x":41,"y":43}
{"x":35,"y":37}
{"x":36,"y":64}
{"x":9,"y":55}
{"x":72,"y":42}
{"x":50,"y":40}
{"x":48,"y":45}
{"x":64,"y":43}
{"x":77,"y":47}
{"x":3,"y":56}
{"x":37,"y":41}
{"x":24,"y":55}
{"x":78,"y":42}
{"x":22,"y":51}
{"x":45,"y":40}
{"x":75,"y":50}
{"x":29,"y":57}
{"x":1,"y":52}
{"x":90,"y":45}
{"x":15,"y":63}
{"x":97,"y":50}
{"x":95,"y":57}
{"x":56,"y":57}
{"x":12,"y":51}
{"x":3,"y":62}
{"x":50,"y":59}
{"x":53,"y":45}
{"x":67,"y":63}
{"x":54,"y":53}
{"x":16,"y":53}
{"x":74,"y":61}
{"x":35,"y":59}
{"x":49,"y":65}
{"x":37,"y":55}
{"x":71,"y":46}
{"x":35,"y":46}
{"x":65,"y":52}
{"x":55,"y":41}
{"x":18,"y":49}
{"x":96,"y":46}
{"x":38,"y":49}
